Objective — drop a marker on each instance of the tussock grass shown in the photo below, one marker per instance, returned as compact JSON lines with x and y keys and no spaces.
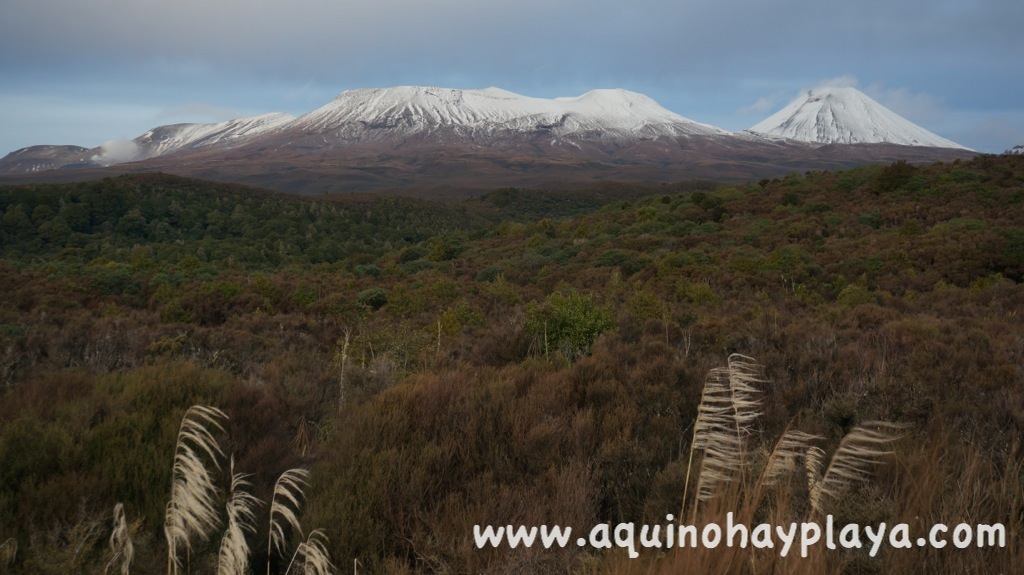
{"x":284,"y":509}
{"x":233,"y":558}
{"x":121,"y":546}
{"x":728,"y":407}
{"x":8,"y":552}
{"x":793,"y":481}
{"x":791,"y":448}
{"x":945,"y":479}
{"x":191,"y":512}
{"x":311,"y":556}
{"x":859,"y":451}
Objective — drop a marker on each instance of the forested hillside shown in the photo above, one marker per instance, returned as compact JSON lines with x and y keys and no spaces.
{"x":518,"y":358}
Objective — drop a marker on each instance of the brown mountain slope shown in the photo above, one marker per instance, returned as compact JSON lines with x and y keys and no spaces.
{"x":438,"y":165}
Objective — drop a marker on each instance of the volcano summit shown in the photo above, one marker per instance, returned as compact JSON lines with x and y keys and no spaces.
{"x":431,"y":138}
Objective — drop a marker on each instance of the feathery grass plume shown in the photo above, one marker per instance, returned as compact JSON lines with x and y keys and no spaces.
{"x":728,"y":406}
{"x":284,"y":509}
{"x":312,"y":556}
{"x":8,"y":552}
{"x":233,"y":558}
{"x":791,"y":447}
{"x":743,"y":376}
{"x":121,"y":546}
{"x":192,"y":510}
{"x":814,"y":463}
{"x":860,"y":450}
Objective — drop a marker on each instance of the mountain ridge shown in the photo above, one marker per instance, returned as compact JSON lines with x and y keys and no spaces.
{"x":173,"y":138}
{"x":492,"y":110}
{"x":440,"y":138}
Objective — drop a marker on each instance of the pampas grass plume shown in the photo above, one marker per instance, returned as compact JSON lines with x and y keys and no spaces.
{"x":192,"y":509}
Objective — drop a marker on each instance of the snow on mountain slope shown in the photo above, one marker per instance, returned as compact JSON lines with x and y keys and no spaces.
{"x":411,"y":109}
{"x":44,"y":158}
{"x":1016,"y":150}
{"x":614,"y":126}
{"x":168,"y":139}
{"x":846,"y":116}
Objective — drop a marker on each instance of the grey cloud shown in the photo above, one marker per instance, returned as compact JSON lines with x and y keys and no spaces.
{"x":706,"y":59}
{"x":273,"y":36}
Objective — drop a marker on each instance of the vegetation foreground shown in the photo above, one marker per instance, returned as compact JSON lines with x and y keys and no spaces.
{"x":202,"y":378}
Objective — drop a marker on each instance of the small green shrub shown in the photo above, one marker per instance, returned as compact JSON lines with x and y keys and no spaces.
{"x":373,"y":298}
{"x":569,"y":322}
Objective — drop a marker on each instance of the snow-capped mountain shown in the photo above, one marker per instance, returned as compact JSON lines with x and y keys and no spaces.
{"x":492,"y":112}
{"x":444,"y":139}
{"x":44,"y":158}
{"x":1016,"y":150}
{"x":158,"y":142}
{"x":846,"y":116}
{"x":177,"y":137}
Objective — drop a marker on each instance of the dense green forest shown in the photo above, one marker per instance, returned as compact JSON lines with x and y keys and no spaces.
{"x":519,"y":358}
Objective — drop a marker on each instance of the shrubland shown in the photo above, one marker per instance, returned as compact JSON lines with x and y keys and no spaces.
{"x":436,"y":366}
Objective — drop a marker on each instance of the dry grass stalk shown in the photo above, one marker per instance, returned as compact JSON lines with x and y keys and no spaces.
{"x":728,"y":406}
{"x":192,"y":509}
{"x":305,"y":437}
{"x":791,"y":447}
{"x":312,"y":556}
{"x":341,"y":360}
{"x":233,"y":558}
{"x":121,"y":546}
{"x":284,"y":508}
{"x":814,"y":463}
{"x":8,"y":552}
{"x":860,"y":450}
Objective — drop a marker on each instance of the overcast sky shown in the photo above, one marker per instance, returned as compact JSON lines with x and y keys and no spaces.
{"x":86,"y":71}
